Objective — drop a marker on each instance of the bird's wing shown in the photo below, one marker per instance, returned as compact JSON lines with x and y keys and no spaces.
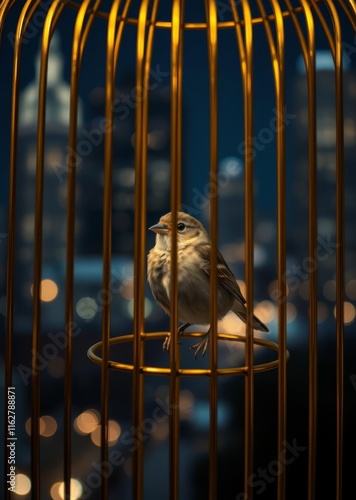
{"x":226,"y":278}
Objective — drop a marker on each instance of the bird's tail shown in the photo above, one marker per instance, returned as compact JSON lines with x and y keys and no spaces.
{"x":240,"y":311}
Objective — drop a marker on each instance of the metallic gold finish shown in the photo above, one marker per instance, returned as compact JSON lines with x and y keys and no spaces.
{"x":340,"y":239}
{"x":25,"y":17}
{"x":5,"y":8}
{"x":51,"y":19}
{"x":272,"y":15}
{"x":107,"y":236}
{"x":80,"y":31}
{"x":212,"y":33}
{"x":176,"y":144}
{"x":277,"y":56}
{"x":247,"y":83}
{"x":143,"y":58}
{"x":186,"y":372}
{"x":308,"y":51}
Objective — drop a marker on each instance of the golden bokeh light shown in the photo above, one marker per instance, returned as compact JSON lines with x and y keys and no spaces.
{"x":266,"y":311}
{"x":48,"y":426}
{"x":291,"y":312}
{"x":349,"y":313}
{"x":86,"y":422}
{"x":186,"y":403}
{"x":351,"y":289}
{"x":48,"y":290}
{"x":274,"y":292}
{"x":76,"y":490}
{"x":28,"y":426}
{"x":162,"y":431}
{"x":22,"y":484}
{"x":113,"y":435}
{"x":242,"y":286}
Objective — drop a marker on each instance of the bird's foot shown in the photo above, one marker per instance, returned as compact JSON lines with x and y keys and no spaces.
{"x":200,"y":346}
{"x":166,"y":343}
{"x":167,"y":340}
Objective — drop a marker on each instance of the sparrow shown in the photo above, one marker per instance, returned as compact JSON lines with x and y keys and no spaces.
{"x":193,"y":262}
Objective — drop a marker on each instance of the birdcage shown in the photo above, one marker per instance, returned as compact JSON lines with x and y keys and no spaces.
{"x":212,"y":119}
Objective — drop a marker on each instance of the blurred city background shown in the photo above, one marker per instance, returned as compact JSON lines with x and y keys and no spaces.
{"x":89,"y":295}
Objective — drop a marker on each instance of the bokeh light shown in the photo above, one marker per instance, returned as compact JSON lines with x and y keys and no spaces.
{"x":186,"y":403}
{"x":351,"y":289}
{"x":22,"y":484}
{"x":48,"y":290}
{"x":349,"y":313}
{"x":148,"y":307}
{"x":48,"y":426}
{"x":76,"y":490}
{"x":114,"y":433}
{"x":86,"y":308}
{"x":266,"y":311}
{"x":86,"y":422}
{"x":291,"y":312}
{"x":274,"y":291}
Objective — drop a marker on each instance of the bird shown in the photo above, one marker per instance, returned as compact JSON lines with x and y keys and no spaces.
{"x":193,"y":277}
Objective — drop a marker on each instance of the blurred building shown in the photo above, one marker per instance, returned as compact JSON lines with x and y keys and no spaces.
{"x":54,"y":192}
{"x":326,"y":169}
{"x":158,"y":180}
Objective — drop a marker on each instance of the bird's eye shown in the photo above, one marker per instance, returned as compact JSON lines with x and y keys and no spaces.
{"x":181,"y":226}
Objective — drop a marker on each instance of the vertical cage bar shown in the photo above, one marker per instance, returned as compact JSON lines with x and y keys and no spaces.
{"x":50,"y":23}
{"x":140,"y":250}
{"x":70,"y":241}
{"x":282,"y":253}
{"x":350,"y":15}
{"x":249,"y":252}
{"x":36,"y":327}
{"x":120,"y":30}
{"x":245,"y":54}
{"x":5,"y":8}
{"x":212,"y":33}
{"x":313,"y":275}
{"x":308,"y":51}
{"x":340,"y":250}
{"x":176,"y":100}
{"x":24,"y":18}
{"x":107,"y":239}
{"x":277,"y":55}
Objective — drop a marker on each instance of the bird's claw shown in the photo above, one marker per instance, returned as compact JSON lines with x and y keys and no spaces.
{"x":166,"y":343}
{"x":203,"y":344}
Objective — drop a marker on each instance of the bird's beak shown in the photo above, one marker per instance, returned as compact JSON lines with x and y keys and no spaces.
{"x":159,"y":228}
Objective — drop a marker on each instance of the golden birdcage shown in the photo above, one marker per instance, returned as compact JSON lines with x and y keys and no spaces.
{"x":304,"y":21}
